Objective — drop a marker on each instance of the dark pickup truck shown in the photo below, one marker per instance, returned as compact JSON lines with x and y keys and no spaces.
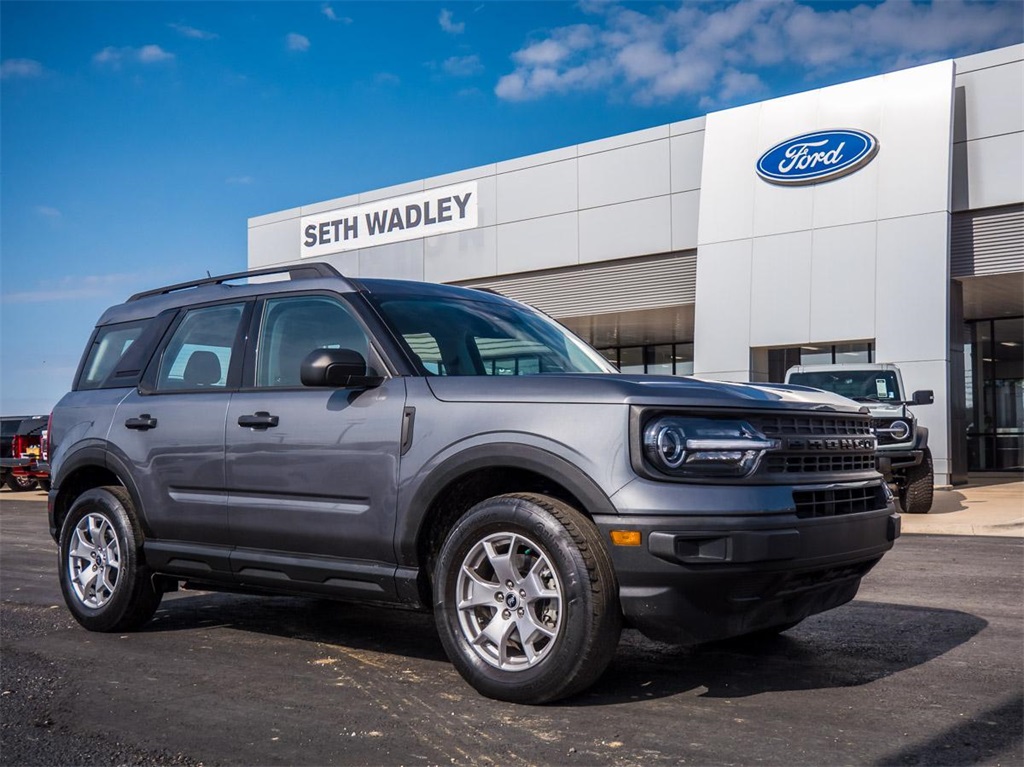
{"x":22,"y":460}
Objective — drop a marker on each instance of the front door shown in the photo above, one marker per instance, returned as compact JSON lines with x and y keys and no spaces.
{"x":312,"y":472}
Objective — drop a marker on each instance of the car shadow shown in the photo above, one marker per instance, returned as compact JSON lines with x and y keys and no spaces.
{"x":354,"y":626}
{"x":853,"y":645}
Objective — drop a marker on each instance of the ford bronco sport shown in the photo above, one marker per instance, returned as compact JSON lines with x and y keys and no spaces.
{"x":448,"y":449}
{"x":904,"y":458}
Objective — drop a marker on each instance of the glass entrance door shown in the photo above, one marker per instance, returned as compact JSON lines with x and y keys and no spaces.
{"x":994,"y":357}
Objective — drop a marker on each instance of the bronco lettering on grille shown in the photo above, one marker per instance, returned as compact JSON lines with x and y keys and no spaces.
{"x":831,"y":443}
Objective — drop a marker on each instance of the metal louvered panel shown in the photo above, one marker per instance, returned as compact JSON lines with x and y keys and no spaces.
{"x":987,"y":241}
{"x":639,"y":283}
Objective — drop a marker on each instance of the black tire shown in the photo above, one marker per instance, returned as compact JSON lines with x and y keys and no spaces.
{"x":44,"y":485}
{"x":574,"y":630}
{"x":918,"y":486}
{"x":121,"y":595}
{"x":20,"y":484}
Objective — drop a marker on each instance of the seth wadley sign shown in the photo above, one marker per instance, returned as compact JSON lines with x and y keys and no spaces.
{"x":436,"y":211}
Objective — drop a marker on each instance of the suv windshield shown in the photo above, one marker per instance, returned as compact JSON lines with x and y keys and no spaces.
{"x":456,"y":336}
{"x":860,"y":385}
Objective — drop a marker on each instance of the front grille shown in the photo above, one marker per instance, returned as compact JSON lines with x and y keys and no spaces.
{"x":810,"y":464}
{"x":812,"y":504}
{"x":817,"y":444}
{"x":812,"y":426}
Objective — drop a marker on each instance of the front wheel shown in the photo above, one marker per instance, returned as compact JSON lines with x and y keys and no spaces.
{"x":105,"y":583}
{"x":525,"y":599}
{"x":918,"y":486}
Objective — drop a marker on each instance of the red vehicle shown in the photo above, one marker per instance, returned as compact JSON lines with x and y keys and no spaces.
{"x":23,"y":462}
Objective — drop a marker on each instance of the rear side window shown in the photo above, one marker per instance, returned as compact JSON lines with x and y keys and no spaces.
{"x":109,"y":346}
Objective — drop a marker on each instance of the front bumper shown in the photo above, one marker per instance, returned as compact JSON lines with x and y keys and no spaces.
{"x":891,"y":461}
{"x":708,"y":576}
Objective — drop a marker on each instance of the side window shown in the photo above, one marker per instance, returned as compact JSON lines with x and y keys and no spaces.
{"x":293,"y":327}
{"x":108,"y":347}
{"x":199,"y":354}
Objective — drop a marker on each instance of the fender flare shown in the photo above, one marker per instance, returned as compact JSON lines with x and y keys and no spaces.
{"x":502,"y":454}
{"x":99,"y":454}
{"x":921,"y":438}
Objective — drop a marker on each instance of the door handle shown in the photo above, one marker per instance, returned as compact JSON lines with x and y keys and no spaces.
{"x":258,"y":420}
{"x":142,"y":423}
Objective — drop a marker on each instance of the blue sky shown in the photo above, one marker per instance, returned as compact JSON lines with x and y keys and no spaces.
{"x":138,"y":137}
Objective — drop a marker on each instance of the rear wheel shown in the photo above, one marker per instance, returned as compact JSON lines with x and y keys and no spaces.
{"x":525,"y":599}
{"x":918,"y":487}
{"x":20,"y":484}
{"x":105,"y":582}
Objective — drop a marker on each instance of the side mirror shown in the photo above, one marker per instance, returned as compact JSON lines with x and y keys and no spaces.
{"x":337,"y":368}
{"x":923,"y":397}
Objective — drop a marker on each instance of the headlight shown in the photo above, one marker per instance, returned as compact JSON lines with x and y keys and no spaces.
{"x":704,"y":447}
{"x":897,"y":430}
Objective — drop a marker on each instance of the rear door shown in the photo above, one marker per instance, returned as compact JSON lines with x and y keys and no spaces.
{"x":171,"y":432}
{"x":312,"y":472}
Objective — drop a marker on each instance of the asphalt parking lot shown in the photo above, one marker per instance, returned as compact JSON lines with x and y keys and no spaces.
{"x":926,"y":666}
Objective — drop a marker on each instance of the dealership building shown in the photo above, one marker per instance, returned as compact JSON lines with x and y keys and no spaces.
{"x":880,"y":220}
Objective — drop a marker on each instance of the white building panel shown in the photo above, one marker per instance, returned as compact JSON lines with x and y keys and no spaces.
{"x":461,"y":255}
{"x":914,"y":160}
{"x":843,"y":299}
{"x":992,"y":101}
{"x":397,"y":190}
{"x":780,"y":295}
{"x":626,"y":174}
{"x":533,"y":160}
{"x":619,"y":231}
{"x":728,"y":178}
{"x":624,"y":140}
{"x":273,"y":243}
{"x":912,"y":289}
{"x":542,"y":190}
{"x":337,"y":203}
{"x":460,"y":176}
{"x":687,"y":153}
{"x":539,"y":243}
{"x":722,"y":327}
{"x":685,"y":217}
{"x":988,"y":172}
{"x":398,"y":261}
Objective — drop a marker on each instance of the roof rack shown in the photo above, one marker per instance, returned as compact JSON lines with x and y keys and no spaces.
{"x":303,"y":272}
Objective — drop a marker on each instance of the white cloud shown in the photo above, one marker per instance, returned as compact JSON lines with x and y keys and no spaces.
{"x":328,"y":11}
{"x":192,"y":32}
{"x":23,"y":68}
{"x":449,"y":26}
{"x":149,"y":54}
{"x":47,"y":212}
{"x":721,"y":53}
{"x":296,"y":42}
{"x":386,"y":78}
{"x":115,"y":57}
{"x":240,"y":180}
{"x":463,"y":66}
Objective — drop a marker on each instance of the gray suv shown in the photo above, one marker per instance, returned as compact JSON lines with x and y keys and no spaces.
{"x":448,"y":449}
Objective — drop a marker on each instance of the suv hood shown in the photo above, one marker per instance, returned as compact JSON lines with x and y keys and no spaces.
{"x":667,"y":391}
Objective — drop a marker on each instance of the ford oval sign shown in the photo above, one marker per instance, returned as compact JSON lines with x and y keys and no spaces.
{"x":815,"y":157}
